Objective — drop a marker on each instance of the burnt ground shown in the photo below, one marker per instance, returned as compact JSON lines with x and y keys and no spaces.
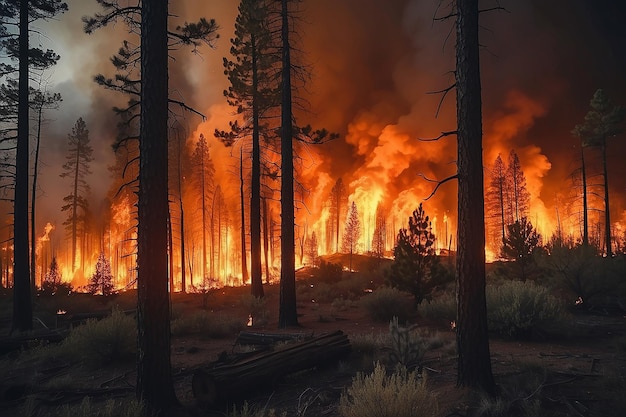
{"x":579,"y":373}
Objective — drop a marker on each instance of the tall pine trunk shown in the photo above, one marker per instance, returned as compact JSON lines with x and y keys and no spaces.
{"x":607,"y":211}
{"x":244,"y":251}
{"x":474,"y":361}
{"x":22,"y":304}
{"x":255,"y":199}
{"x":583,"y":173}
{"x":287,"y":315}
{"x":154,"y":376}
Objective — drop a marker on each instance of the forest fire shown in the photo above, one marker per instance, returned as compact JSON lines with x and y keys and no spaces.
{"x":381,"y":110}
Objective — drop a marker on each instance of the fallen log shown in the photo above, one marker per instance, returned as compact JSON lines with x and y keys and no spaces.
{"x":264,"y":339}
{"x":221,"y":382}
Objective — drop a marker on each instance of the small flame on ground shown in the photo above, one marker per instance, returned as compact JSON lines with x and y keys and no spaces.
{"x":249,"y":324}
{"x":61,"y":312}
{"x":578,"y":301}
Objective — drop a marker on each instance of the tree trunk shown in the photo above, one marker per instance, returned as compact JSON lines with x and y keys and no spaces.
{"x":287,"y":312}
{"x":154,"y":377}
{"x":33,"y":195}
{"x":583,"y":173}
{"x":474,"y":362}
{"x":244,"y":251}
{"x":255,"y":199}
{"x":266,"y":249}
{"x":22,"y":304}
{"x":607,"y":211}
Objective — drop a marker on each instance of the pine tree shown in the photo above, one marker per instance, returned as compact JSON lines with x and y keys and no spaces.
{"x":17,"y":48}
{"x":102,"y":279}
{"x":77,"y":169}
{"x":521,"y":241}
{"x":253,"y":91}
{"x":351,"y":233}
{"x":518,"y":196}
{"x":380,"y":232}
{"x":338,"y":204}
{"x":203,"y":176}
{"x":415,"y":259}
{"x":53,"y":278}
{"x":496,"y":205}
{"x":603,"y":121}
{"x":312,"y":250}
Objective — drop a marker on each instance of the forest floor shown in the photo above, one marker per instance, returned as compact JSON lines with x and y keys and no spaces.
{"x":580,"y":374}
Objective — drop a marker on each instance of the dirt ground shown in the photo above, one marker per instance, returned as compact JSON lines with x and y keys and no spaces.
{"x":581,"y":374}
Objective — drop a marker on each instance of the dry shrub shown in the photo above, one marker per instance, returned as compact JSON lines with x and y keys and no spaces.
{"x":207,"y":324}
{"x":111,"y":339}
{"x":386,"y":303}
{"x":400,"y":394}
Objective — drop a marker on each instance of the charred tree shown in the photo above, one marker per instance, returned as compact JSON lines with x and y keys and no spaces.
{"x":474,"y":361}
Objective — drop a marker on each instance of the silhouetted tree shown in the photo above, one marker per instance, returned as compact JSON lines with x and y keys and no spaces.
{"x":351,"y":233}
{"x":474,"y":360}
{"x":53,"y":278}
{"x":102,"y":279}
{"x":203,"y":177}
{"x":17,"y":48}
{"x":518,"y":196}
{"x":415,"y":259}
{"x":76,"y":168}
{"x":380,"y":232}
{"x":602,"y":122}
{"x":495,"y":204}
{"x":253,"y":91}
{"x":521,"y":241}
{"x":338,"y":202}
{"x":312,"y":250}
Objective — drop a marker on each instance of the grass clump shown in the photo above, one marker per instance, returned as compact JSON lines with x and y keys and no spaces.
{"x":207,"y":324}
{"x":111,"y":408}
{"x":442,"y":307}
{"x":400,"y":394}
{"x":386,"y":303}
{"x":247,"y":411}
{"x":98,"y":342}
{"x":515,"y":309}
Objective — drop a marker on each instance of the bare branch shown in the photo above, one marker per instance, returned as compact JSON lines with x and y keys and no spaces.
{"x":443,"y":93}
{"x":443,"y":135}
{"x":439,"y":183}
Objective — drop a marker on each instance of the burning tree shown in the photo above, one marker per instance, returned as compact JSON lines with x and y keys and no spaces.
{"x":414,"y":267}
{"x":102,"y":279}
{"x":380,"y":232}
{"x":53,"y":280}
{"x":338,"y":204}
{"x":312,"y":250}
{"x":351,"y":233}
{"x":203,"y":177}
{"x":76,"y":169}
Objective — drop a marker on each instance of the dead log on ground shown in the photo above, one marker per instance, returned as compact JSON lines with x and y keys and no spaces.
{"x":224,"y":382}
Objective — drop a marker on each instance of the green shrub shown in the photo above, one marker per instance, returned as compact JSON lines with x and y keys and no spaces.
{"x":515,"y":308}
{"x":111,"y":339}
{"x":442,"y":307}
{"x":207,"y":324}
{"x":401,"y":394}
{"x":386,"y":303}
